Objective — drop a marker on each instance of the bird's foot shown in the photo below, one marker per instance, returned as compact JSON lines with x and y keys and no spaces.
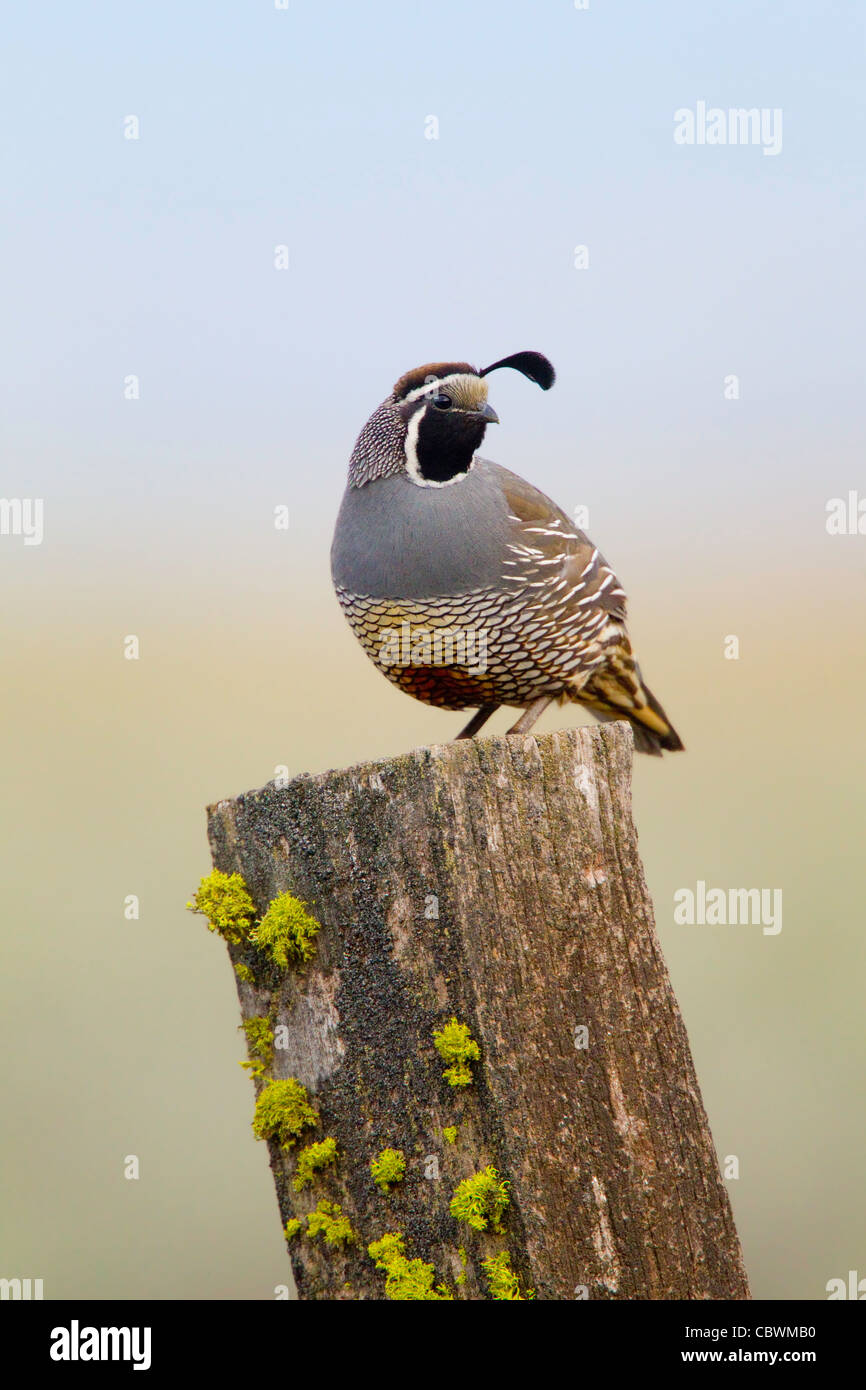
{"x":480,"y":717}
{"x":530,"y":714}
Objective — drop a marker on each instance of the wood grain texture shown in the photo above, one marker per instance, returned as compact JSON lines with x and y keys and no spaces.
{"x":527,"y":848}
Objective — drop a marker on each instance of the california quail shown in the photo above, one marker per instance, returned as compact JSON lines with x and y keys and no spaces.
{"x":465,"y":584}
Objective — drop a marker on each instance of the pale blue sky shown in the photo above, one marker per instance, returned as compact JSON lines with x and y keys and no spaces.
{"x":306,"y":126}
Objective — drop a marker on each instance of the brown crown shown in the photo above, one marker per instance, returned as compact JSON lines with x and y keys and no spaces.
{"x":410,"y":381}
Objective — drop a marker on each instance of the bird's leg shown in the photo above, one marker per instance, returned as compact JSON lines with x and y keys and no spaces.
{"x":480,"y":717}
{"x":530,"y":714}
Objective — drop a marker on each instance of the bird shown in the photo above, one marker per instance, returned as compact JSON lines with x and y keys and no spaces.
{"x":466,"y":585}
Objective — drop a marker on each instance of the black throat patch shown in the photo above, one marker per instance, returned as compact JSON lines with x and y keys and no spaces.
{"x":446,"y":443}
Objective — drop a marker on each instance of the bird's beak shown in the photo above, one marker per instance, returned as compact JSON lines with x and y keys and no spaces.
{"x":488,"y":414}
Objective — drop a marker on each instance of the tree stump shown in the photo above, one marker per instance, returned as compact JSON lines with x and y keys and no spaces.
{"x":494,"y":881}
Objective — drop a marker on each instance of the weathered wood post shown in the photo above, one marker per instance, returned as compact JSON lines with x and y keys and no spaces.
{"x":496,"y":882}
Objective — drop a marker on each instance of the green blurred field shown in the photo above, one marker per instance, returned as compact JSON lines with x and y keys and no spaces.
{"x":121,"y":1037}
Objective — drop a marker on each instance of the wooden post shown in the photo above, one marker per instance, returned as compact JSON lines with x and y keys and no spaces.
{"x":495,"y":881}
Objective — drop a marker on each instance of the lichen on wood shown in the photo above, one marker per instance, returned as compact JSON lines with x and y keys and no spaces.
{"x":495,"y":882}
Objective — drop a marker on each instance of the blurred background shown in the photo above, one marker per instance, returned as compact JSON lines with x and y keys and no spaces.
{"x":165,"y":386}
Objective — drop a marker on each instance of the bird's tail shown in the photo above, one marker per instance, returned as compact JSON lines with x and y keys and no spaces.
{"x":617,"y":691}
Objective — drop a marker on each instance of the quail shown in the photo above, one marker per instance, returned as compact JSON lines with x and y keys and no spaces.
{"x":466,"y":586}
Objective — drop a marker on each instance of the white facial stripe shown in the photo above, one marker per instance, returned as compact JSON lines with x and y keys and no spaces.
{"x":430,"y":388}
{"x":413,"y":468}
{"x":411,"y":448}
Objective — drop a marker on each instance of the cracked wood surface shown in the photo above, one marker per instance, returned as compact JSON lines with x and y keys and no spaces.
{"x":526,"y":850}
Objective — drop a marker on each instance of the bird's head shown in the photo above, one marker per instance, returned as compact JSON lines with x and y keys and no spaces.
{"x":432,"y":424}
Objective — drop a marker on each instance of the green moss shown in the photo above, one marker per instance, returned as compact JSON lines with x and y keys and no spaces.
{"x":291,"y":1228}
{"x":464,"y":1260}
{"x":456,"y":1046}
{"x":501,"y":1279}
{"x":243,"y":972}
{"x":388,"y":1168}
{"x":481,"y":1200}
{"x":260,"y":1040}
{"x":328,"y":1220}
{"x":312,"y":1160}
{"x":386,"y":1249}
{"x":449,"y":1134}
{"x":287,"y":933}
{"x":283,"y":1112}
{"x":406,"y":1280}
{"x":225,"y":901}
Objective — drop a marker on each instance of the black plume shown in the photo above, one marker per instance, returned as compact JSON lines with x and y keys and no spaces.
{"x":531,"y":364}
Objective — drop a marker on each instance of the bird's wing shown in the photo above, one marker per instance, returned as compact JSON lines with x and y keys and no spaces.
{"x":550,"y":556}
{"x":572,"y":610}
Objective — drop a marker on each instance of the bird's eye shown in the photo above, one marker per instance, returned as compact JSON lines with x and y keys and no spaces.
{"x":442,"y":402}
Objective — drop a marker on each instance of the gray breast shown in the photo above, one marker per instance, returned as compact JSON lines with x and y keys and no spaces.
{"x":395,"y":539}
